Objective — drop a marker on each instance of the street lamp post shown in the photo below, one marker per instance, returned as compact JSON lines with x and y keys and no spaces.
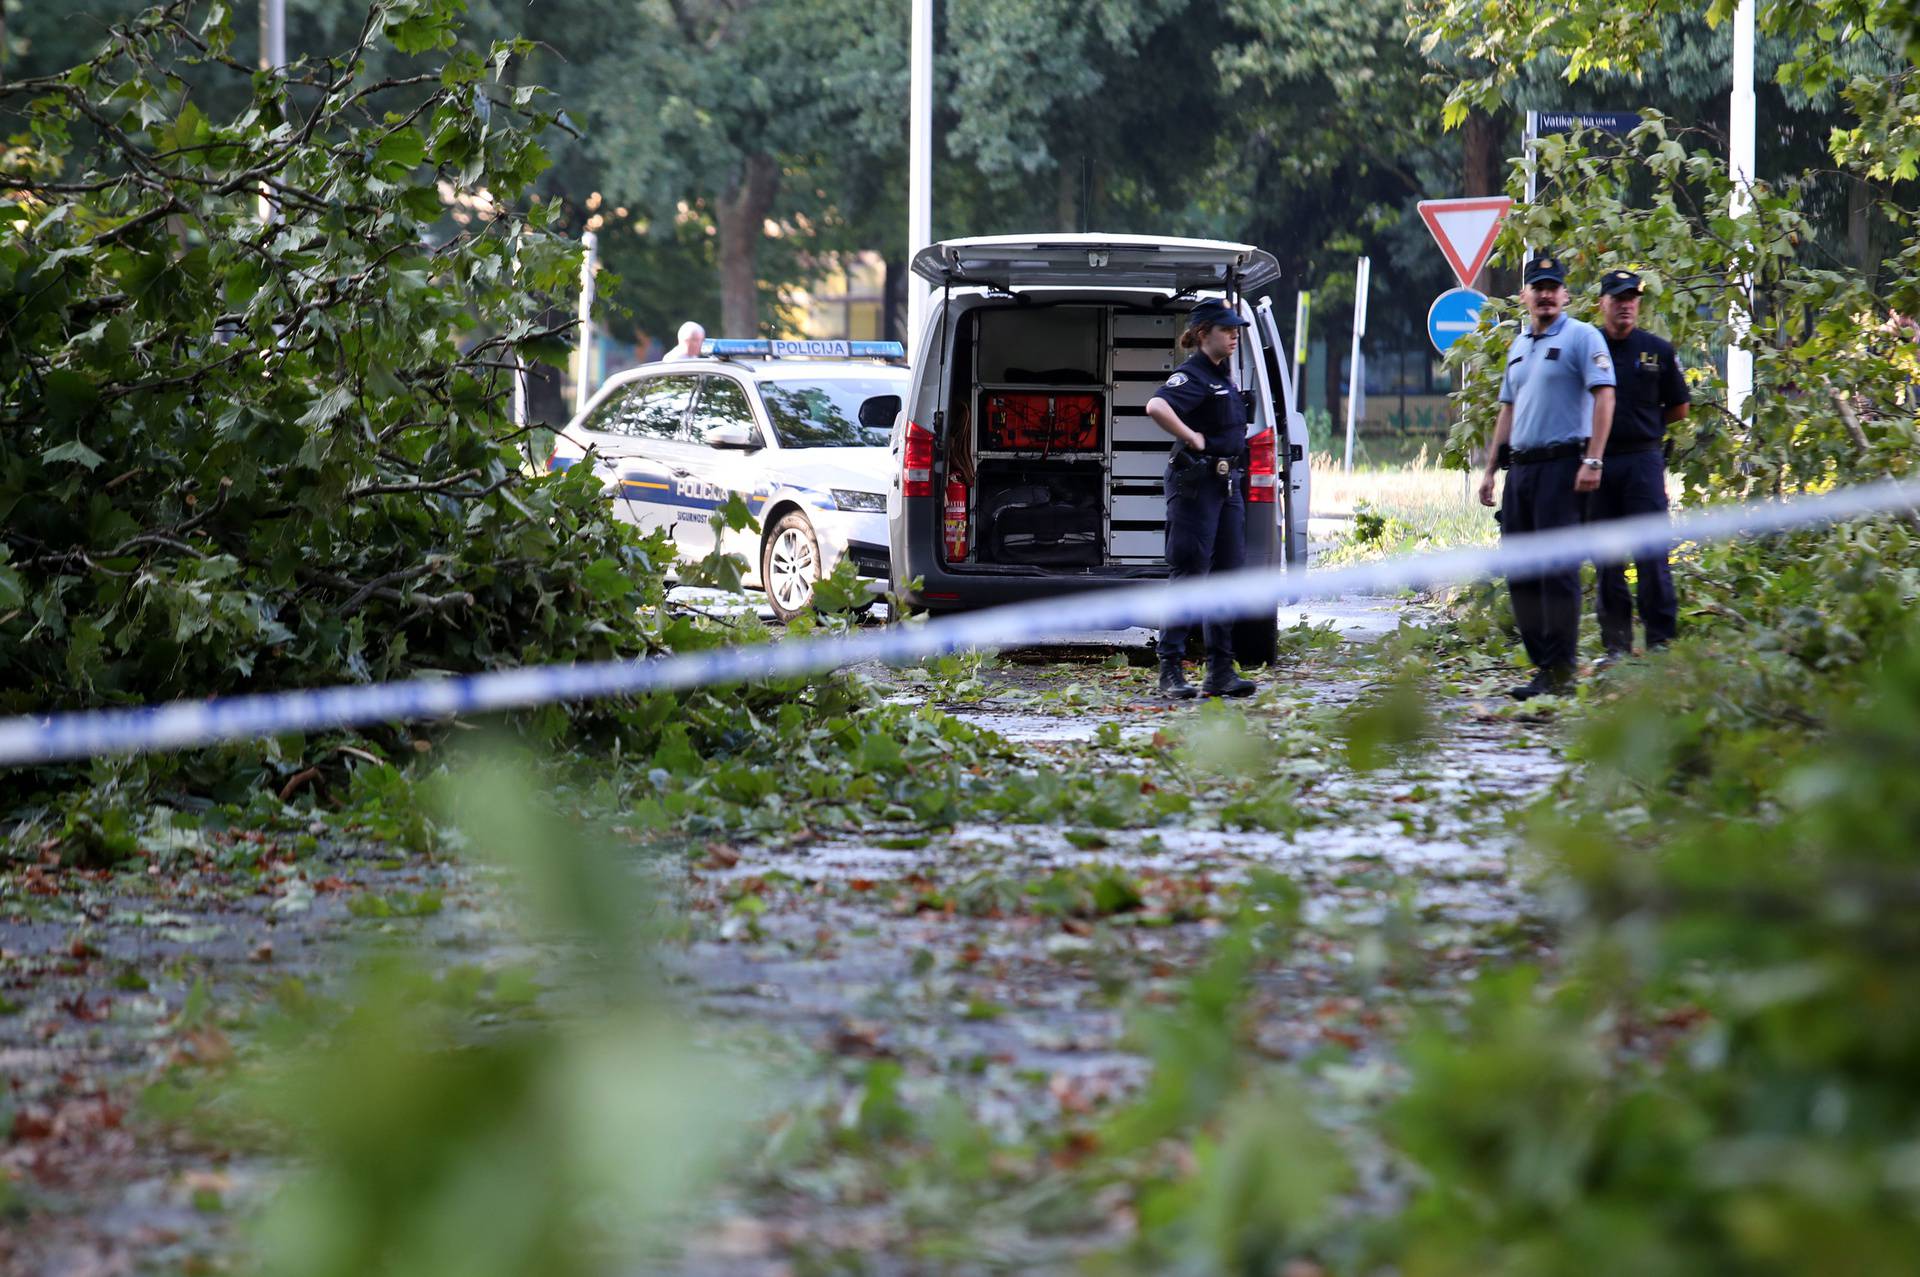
{"x":919,"y":164}
{"x":1740,"y":166}
{"x":273,"y":56}
{"x":582,"y":381}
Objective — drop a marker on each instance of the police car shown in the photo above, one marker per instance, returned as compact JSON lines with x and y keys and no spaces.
{"x":798,"y":429}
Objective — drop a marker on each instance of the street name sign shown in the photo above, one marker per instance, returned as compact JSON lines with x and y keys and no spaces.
{"x":1465,"y":229}
{"x":1453,"y":315}
{"x":1616,"y":122}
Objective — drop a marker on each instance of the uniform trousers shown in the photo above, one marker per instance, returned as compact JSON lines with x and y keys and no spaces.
{"x":1635,"y":483}
{"x":1539,"y":496}
{"x":1206,"y":533}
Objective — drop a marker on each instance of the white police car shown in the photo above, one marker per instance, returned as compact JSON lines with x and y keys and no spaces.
{"x":798,"y":428}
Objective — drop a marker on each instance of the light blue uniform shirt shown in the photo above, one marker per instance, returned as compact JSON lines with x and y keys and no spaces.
{"x":1549,"y":382}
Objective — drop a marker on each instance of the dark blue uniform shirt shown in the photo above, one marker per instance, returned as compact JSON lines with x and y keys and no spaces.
{"x":1204,"y":395}
{"x":1647,"y":373}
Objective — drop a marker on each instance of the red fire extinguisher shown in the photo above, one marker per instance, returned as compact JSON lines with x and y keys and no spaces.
{"x":956,"y":521}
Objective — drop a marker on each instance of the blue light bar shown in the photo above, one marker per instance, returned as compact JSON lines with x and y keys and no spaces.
{"x":742,"y":348}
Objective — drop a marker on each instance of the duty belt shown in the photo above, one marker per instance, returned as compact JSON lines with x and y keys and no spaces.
{"x":1552,"y":452}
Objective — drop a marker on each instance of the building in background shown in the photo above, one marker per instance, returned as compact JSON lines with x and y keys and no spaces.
{"x":846,"y":298}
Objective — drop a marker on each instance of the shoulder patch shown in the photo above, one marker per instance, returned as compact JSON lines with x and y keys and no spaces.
{"x":1601,"y":361}
{"x":1178,"y":379}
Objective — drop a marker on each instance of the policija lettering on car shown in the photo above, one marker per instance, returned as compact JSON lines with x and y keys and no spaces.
{"x":698,"y":490}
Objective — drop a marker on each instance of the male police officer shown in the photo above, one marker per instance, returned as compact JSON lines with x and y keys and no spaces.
{"x":1652,"y":395}
{"x":1206,"y":486}
{"x":1556,"y":406}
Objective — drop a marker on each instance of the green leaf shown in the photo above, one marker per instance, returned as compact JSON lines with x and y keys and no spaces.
{"x":423,"y":202}
{"x":74,"y":451}
{"x":327,"y":407}
{"x":70,"y":396}
{"x":399,"y":151}
{"x":606,"y":579}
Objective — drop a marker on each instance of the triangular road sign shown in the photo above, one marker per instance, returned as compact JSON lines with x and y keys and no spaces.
{"x":1465,"y":230}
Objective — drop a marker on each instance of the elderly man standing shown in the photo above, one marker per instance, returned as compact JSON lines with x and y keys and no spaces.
{"x":1652,"y":396}
{"x":1556,"y":408}
{"x":691,"y":337}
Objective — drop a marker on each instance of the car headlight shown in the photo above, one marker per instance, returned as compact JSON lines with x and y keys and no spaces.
{"x":849,"y":499}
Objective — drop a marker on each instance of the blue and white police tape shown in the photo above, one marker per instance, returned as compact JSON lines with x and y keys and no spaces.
{"x":185,"y":724}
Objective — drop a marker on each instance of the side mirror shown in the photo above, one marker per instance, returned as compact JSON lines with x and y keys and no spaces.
{"x":732,"y":434}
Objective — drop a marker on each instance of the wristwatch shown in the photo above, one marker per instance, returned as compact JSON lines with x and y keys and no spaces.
{"x":1592,"y":463}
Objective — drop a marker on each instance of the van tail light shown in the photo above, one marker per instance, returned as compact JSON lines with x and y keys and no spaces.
{"x":916,"y":479}
{"x":1260,"y":467}
{"x":1262,"y":481}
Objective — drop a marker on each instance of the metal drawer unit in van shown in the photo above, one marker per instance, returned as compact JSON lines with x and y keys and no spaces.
{"x":1143,"y":354}
{"x":1071,"y":449}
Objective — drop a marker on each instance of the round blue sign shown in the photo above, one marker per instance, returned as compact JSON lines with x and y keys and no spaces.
{"x":1453,"y":315}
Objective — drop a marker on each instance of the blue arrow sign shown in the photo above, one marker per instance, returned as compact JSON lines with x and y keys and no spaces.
{"x":1453,"y":315}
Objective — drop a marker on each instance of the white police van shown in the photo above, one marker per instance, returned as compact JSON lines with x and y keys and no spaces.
{"x":1025,"y":465}
{"x":797,"y":428}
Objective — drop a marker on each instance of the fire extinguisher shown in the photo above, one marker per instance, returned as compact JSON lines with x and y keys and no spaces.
{"x":956,"y":521}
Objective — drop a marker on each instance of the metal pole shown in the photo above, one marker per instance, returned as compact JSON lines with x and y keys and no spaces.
{"x":1361,"y":278}
{"x":583,"y":370}
{"x":519,"y":393}
{"x":273,"y":33}
{"x":273,"y":56}
{"x":1740,"y":165}
{"x":1528,"y":142}
{"x":919,"y":166}
{"x":1302,"y":313}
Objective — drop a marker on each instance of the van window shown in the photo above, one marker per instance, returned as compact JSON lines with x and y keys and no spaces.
{"x":842,"y":413}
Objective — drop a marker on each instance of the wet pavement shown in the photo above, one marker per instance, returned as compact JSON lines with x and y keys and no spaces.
{"x":976,"y":959}
{"x":935,"y":955}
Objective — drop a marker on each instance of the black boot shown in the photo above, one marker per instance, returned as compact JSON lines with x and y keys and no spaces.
{"x":1549,"y":680}
{"x":1222,"y":681}
{"x":1173,"y":680}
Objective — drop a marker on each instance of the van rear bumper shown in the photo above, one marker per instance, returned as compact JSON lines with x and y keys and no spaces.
{"x":917,"y":553}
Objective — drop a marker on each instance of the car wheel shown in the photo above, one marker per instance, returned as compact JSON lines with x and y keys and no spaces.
{"x":789,"y":565}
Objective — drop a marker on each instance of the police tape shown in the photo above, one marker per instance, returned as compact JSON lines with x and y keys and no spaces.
{"x":188,"y":724}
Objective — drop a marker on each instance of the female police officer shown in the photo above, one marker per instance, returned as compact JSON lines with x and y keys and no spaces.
{"x":1206,"y":486}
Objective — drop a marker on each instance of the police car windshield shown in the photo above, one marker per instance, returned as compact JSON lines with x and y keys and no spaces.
{"x":832,"y":413}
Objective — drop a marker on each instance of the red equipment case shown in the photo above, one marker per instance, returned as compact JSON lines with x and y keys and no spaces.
{"x":1042,"y":421}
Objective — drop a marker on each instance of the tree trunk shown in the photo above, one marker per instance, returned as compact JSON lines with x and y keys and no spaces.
{"x":740,"y":217}
{"x":893,"y":296}
{"x":1860,"y":227}
{"x":1482,"y":139}
{"x":1066,"y":195}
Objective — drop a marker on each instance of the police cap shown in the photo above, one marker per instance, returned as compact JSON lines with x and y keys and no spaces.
{"x":1618,"y":283}
{"x":1216,"y":313}
{"x":1544,"y":268}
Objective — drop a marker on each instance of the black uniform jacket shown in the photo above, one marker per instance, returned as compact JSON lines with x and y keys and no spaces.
{"x":1207,"y":400}
{"x":1647,"y":374}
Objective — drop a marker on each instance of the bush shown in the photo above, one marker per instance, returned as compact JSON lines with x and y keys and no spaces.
{"x":246,"y":454}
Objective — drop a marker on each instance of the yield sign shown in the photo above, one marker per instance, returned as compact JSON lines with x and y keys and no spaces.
{"x":1465,"y":230}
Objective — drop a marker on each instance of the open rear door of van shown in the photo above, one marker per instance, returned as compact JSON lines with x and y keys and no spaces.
{"x":1297,"y":490}
{"x":1008,"y":263}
